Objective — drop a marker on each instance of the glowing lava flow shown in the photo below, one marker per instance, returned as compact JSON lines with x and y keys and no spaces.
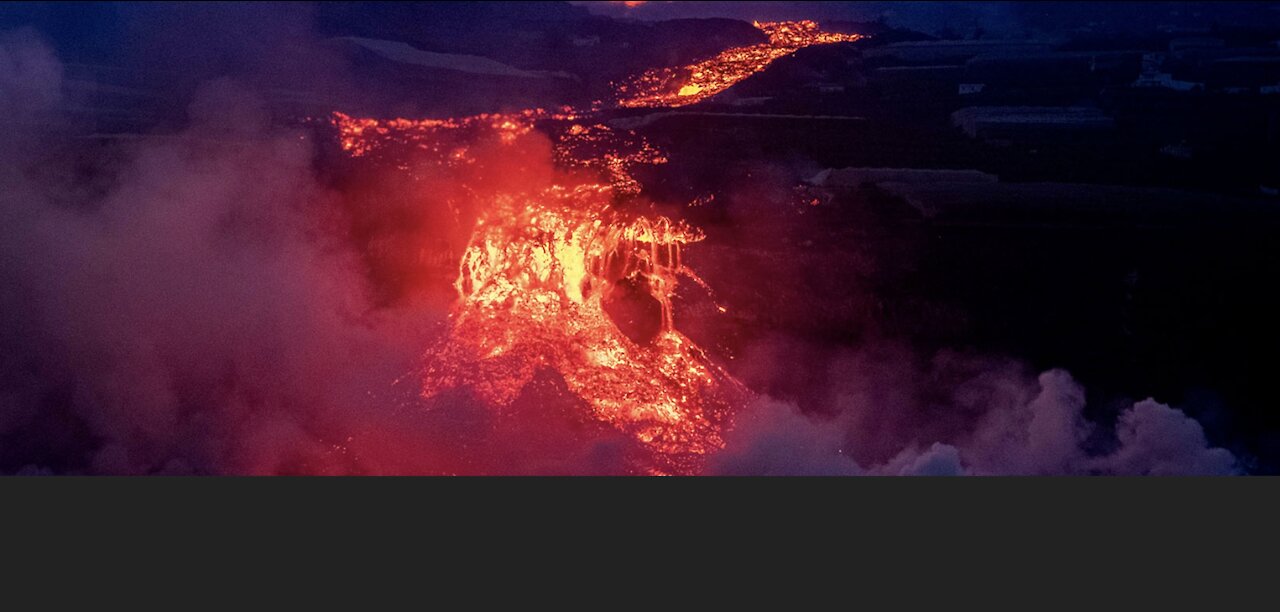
{"x":542,"y":262}
{"x":533,"y":284}
{"x":539,"y":268}
{"x":668,"y":87}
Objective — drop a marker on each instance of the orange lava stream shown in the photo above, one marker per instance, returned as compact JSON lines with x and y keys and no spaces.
{"x":538,"y":301}
{"x":543,"y":262}
{"x":669,"y":87}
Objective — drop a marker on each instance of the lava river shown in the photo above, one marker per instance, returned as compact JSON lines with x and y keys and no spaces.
{"x":544,"y":260}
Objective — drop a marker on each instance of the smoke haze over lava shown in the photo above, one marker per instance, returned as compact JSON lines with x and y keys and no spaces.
{"x":530,"y":289}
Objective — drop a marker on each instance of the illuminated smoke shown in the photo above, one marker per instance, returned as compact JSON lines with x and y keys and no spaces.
{"x":544,"y":260}
{"x":188,"y":315}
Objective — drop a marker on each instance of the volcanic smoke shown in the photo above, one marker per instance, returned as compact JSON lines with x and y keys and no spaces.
{"x":220,"y":300}
{"x":542,"y":263}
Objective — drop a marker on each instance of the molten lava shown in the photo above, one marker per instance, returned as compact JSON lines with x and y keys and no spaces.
{"x":667,"y":87}
{"x":539,"y":269}
{"x":533,"y":285}
{"x":544,"y":261}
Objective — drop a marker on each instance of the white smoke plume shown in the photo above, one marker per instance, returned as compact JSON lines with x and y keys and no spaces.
{"x":1030,"y":428}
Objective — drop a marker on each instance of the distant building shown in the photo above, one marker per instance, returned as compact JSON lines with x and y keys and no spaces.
{"x":1165,"y":80}
{"x":1152,"y":62}
{"x":1029,"y":123}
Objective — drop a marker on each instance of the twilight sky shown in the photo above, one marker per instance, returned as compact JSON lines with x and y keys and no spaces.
{"x":996,"y":18}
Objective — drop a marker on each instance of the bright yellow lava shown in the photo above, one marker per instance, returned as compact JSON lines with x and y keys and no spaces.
{"x":689,"y":90}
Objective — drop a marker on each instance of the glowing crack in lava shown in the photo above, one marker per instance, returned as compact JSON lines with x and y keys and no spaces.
{"x":666,"y":87}
{"x":543,"y":262}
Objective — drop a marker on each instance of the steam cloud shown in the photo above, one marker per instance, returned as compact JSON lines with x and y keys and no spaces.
{"x":1021,"y":427}
{"x":174,"y":304}
{"x":191,"y":303}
